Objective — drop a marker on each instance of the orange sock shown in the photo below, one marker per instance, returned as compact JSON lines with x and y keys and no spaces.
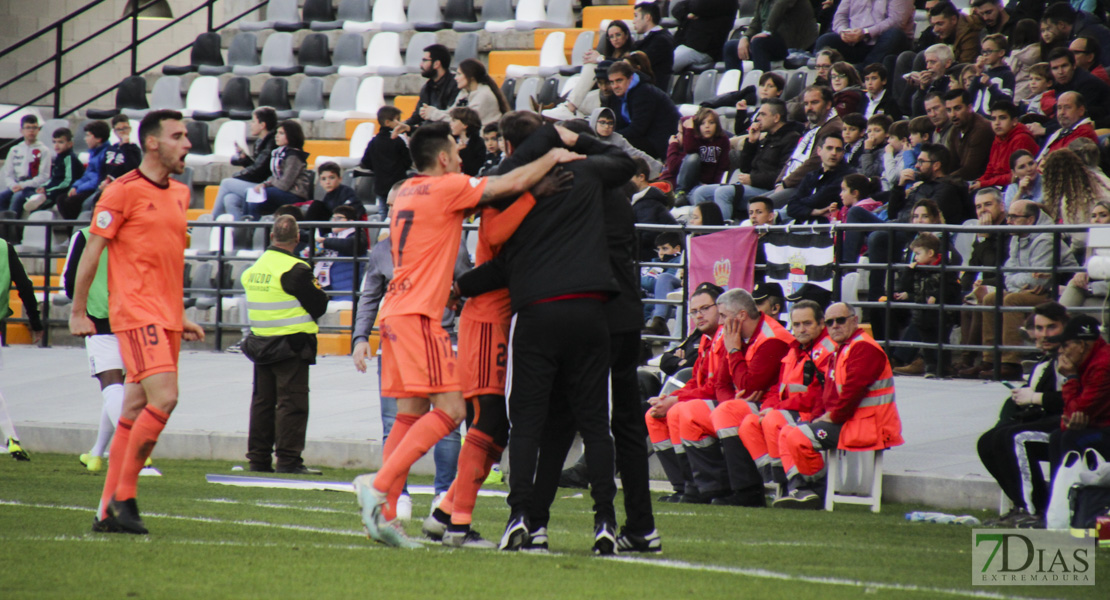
{"x":144,"y":435}
{"x":424,"y":434}
{"x":447,"y":503}
{"x":401,"y":426}
{"x":474,"y":465}
{"x":116,"y":453}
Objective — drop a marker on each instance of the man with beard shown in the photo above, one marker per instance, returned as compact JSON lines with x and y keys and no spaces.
{"x":821,"y":120}
{"x":441,"y":89}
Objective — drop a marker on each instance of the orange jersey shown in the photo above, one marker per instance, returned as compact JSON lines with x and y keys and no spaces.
{"x":424,"y":232}
{"x":496,"y":228}
{"x":145,"y":227}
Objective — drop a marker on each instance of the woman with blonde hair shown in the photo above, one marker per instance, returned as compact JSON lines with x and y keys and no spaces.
{"x":1070,"y":190}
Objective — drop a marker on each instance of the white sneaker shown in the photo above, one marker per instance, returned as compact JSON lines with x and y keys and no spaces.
{"x":559,"y":113}
{"x":404,"y":507}
{"x":436,"y":500}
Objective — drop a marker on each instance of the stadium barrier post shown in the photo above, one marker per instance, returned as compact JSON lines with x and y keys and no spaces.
{"x":999,"y":291}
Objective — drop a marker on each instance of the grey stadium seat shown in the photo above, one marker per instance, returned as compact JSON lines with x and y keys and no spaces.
{"x":467,"y":48}
{"x":277,"y":58}
{"x":309,"y":103}
{"x":415,"y":50}
{"x":424,"y":15}
{"x":349,"y":10}
{"x":167,"y":94}
{"x":350,"y":51}
{"x":242,"y":52}
{"x":492,"y":10}
{"x":281,"y":15}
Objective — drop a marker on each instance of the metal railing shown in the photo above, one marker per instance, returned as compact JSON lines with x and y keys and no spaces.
{"x":225,"y":258}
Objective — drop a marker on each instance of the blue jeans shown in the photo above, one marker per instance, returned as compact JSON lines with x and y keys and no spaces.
{"x":762,"y":51}
{"x":889,"y":43}
{"x":13,"y":201}
{"x":274,"y":199}
{"x":445,"y":453}
{"x":665,"y":283}
{"x":232,"y":198}
{"x":723,"y":195}
{"x":689,"y":174}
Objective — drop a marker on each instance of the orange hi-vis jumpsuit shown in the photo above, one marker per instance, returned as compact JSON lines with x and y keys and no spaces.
{"x":754,"y":368}
{"x":859,"y":399}
{"x":796,"y":401}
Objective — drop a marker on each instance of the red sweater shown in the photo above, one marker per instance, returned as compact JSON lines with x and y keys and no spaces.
{"x":713,"y":153}
{"x":1090,"y":392}
{"x":761,"y":373}
{"x":1084,"y":130}
{"x":998,"y":165}
{"x":709,"y":369}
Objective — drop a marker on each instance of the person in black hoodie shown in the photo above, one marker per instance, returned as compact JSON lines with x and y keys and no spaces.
{"x":122,"y":157}
{"x":649,"y":205}
{"x":558,"y":272}
{"x":256,"y":165}
{"x":336,"y":194}
{"x":466,"y":126}
{"x":387,"y":155}
{"x":657,"y":43}
{"x":703,"y":27}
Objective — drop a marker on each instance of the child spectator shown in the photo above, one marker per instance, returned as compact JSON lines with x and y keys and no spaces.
{"x":289,"y":181}
{"x":491,"y":135}
{"x":856,"y":190}
{"x":996,"y":80}
{"x":748,"y":100}
{"x":1010,"y":135}
{"x":121,"y":158}
{"x":649,"y":205}
{"x":65,"y":170}
{"x":657,"y":282}
{"x":26,"y":168}
{"x":897,"y":145}
{"x":603,"y":123}
{"x":96,"y":137}
{"x":387,"y":155}
{"x":1026,"y":44}
{"x":342,"y":241}
{"x":921,"y":132}
{"x":923,"y":286}
{"x":466,"y":126}
{"x":702,"y":136}
{"x":1025,"y":179}
{"x":854,"y":128}
{"x":1042,"y":99}
{"x":335,"y":195}
{"x":870,"y":158}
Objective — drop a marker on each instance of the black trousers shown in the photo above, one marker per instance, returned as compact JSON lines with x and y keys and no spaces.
{"x":279,"y":413}
{"x":1012,"y":453}
{"x":629,"y":435}
{"x":559,"y":353}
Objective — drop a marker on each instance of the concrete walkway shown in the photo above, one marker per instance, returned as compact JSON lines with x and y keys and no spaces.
{"x":56,"y":406}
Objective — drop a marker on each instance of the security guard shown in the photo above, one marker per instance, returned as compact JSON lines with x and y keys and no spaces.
{"x":283,"y":301}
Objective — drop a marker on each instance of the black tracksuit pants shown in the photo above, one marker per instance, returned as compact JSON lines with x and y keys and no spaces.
{"x":1012,"y":453}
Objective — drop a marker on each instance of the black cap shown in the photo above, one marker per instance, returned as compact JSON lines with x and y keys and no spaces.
{"x":763,"y":291}
{"x":601,"y":71}
{"x":813,"y":292}
{"x":1081,"y":327}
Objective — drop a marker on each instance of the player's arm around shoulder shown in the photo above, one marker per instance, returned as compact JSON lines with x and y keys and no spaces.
{"x":522,"y":178}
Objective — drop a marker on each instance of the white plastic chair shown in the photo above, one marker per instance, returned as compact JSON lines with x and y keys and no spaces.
{"x":854,"y":478}
{"x":203,"y":96}
{"x":583,"y":43}
{"x":552,"y":58}
{"x":360,"y":139}
{"x":388,"y":14}
{"x":729,"y":82}
{"x":751,"y":78}
{"x":369,"y":99}
{"x":383,"y":57}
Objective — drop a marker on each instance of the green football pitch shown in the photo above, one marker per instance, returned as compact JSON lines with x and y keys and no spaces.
{"x":215,"y":541}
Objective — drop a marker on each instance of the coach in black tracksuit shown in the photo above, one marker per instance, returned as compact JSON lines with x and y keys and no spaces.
{"x":557,"y":270}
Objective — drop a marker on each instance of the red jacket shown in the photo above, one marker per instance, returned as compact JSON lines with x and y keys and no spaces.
{"x":862,"y":368}
{"x":1084,"y":129}
{"x":998,"y":165}
{"x":708,"y":370}
{"x":795,"y":395}
{"x":757,"y":365}
{"x":1090,"y":392}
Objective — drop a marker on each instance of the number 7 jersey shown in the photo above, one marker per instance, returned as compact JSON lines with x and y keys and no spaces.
{"x":424,"y":231}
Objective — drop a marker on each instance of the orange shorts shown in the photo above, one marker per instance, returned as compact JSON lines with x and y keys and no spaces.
{"x":484,"y":348}
{"x":148,"y":350}
{"x":417,"y":358}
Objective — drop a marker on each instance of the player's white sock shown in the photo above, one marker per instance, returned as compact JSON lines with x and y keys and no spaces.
{"x":109,"y":416}
{"x":7,"y":428}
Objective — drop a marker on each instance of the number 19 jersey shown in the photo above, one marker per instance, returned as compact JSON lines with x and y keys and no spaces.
{"x":424,"y":231}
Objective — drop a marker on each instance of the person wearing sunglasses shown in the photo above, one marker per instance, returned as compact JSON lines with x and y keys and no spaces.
{"x":859,"y":411}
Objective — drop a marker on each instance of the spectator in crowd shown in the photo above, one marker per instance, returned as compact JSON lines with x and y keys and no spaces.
{"x":440,"y":90}
{"x":703,"y":27}
{"x":26,"y":168}
{"x":646,"y":116}
{"x":989,"y":249}
{"x":1064,"y":23}
{"x":856,"y":190}
{"x":776,"y":26}
{"x":866,"y":32}
{"x":336,"y":194}
{"x":748,"y":100}
{"x":937,"y":116}
{"x":878,"y":101}
{"x":706,"y":214}
{"x":387,"y":156}
{"x":769,"y":299}
{"x":1025,"y":179}
{"x":96,"y":138}
{"x":122,"y":157}
{"x":770,"y":141}
{"x":289,"y":182}
{"x":895,"y":154}
{"x":815,"y":198}
{"x":859,"y":411}
{"x":658,"y":282}
{"x":256,"y":165}
{"x":1082,"y":290}
{"x":66,"y":169}
{"x":872,"y":156}
{"x":1042,"y":98}
{"x":655,"y":41}
{"x":1087,"y":56}
{"x":583,"y":99}
{"x":649,"y":205}
{"x":477,"y":91}
{"x":761,"y":211}
{"x":348,"y":242}
{"x":993,"y":17}
{"x":466,"y":126}
{"x":1027,"y":250}
{"x":848,"y":95}
{"x":1095,"y":93}
{"x":970,"y":139}
{"x":853,"y":133}
{"x":1010,"y":135}
{"x":919,"y":84}
{"x":955,"y":29}
{"x":926,"y":286}
{"x":1070,"y":192}
{"x":1071,"y":117}
{"x":706,"y":148}
{"x":663,"y":422}
{"x":1025,"y":51}
{"x":930,"y":179}
{"x":491,"y":136}
{"x":821,"y":120}
{"x":619,"y":43}
{"x":995,"y":81}
{"x":603,"y":122}
{"x":1013,"y":450}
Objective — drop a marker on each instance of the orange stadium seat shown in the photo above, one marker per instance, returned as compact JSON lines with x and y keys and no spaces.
{"x":592,"y":16}
{"x":572,"y":35}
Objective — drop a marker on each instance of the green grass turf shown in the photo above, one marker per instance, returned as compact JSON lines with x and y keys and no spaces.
{"x":217,"y":541}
